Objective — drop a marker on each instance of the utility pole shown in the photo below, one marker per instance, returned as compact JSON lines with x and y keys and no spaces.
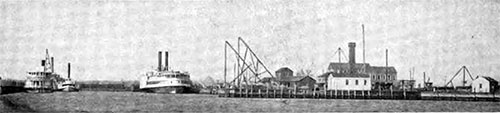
{"x":225,"y":63}
{"x":363,"y":28}
{"x":339,"y":55}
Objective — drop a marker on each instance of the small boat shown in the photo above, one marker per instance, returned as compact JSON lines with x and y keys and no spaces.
{"x":68,"y":85}
{"x":164,"y":80}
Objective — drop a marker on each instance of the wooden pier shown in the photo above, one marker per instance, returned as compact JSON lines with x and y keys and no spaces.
{"x":330,"y":94}
{"x":346,"y":94}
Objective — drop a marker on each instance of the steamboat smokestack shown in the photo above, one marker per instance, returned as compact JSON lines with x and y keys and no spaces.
{"x":69,"y":70}
{"x":159,"y":61}
{"x":352,"y":53}
{"x":166,"y":60}
{"x":52,"y":64}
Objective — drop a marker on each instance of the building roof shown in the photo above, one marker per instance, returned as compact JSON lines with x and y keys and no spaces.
{"x":373,"y":69}
{"x":334,"y":65}
{"x":490,"y":79}
{"x":285,"y":79}
{"x":361,"y":75}
{"x":382,"y":69}
{"x":293,"y":78}
{"x":284,"y":69}
{"x":267,"y":79}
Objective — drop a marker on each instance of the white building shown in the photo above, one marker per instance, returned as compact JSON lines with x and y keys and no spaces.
{"x":347,"y":81}
{"x":484,"y":84}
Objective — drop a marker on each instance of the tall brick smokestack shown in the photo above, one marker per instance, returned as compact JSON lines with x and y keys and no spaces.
{"x":166,"y":60}
{"x":159,"y":61}
{"x":352,"y":53}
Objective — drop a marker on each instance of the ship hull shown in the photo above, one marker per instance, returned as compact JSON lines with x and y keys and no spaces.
{"x":39,"y":90}
{"x":168,"y":89}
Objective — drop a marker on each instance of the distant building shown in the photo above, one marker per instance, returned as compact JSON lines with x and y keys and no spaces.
{"x":484,"y":84}
{"x":285,"y":78}
{"x":348,"y":81}
{"x":299,"y":82}
{"x":284,"y":72}
{"x":381,"y":77}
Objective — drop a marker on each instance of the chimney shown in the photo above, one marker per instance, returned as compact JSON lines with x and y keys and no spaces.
{"x":159,"y":61}
{"x":352,"y":53}
{"x":52,"y":64}
{"x":166,"y":60}
{"x":69,"y":70}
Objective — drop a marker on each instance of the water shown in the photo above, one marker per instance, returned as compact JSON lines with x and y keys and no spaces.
{"x":138,"y":101}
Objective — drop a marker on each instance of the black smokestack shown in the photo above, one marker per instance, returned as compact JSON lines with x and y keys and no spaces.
{"x":52,"y":63}
{"x":69,"y":70}
{"x":166,"y":60}
{"x":352,"y":53}
{"x":159,"y":61}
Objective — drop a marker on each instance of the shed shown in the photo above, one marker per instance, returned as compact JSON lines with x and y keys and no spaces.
{"x":484,"y":84}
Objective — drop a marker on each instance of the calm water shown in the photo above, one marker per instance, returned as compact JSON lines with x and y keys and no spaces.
{"x":137,"y":101}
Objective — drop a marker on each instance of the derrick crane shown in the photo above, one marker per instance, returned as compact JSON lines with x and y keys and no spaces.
{"x":463,"y":70}
{"x":248,"y":67}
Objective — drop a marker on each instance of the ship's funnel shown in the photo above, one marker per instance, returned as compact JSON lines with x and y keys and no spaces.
{"x":52,"y":64}
{"x":166,"y":60}
{"x":69,"y":70}
{"x":159,"y":61}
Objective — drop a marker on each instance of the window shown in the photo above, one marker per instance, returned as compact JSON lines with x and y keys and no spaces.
{"x":388,"y":77}
{"x":356,"y":82}
{"x":346,"y":82}
{"x":378,"y":77}
{"x":365,"y":82}
{"x":480,"y":86}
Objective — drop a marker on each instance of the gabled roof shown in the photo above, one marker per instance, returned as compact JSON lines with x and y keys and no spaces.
{"x":267,"y":79}
{"x":327,"y":74}
{"x":490,"y":79}
{"x":358,"y":75}
{"x":293,"y":78}
{"x":373,"y":69}
{"x":346,"y":65}
{"x":382,"y":69}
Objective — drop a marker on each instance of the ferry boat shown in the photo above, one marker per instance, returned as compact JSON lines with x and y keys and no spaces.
{"x":43,"y":81}
{"x":163,"y":80}
{"x":68,"y":85}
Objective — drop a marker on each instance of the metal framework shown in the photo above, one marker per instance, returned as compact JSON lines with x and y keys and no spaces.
{"x":340,"y":52}
{"x":463,"y":70}
{"x":248,"y":68}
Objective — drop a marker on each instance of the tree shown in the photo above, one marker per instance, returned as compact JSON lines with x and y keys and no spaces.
{"x":305,"y":72}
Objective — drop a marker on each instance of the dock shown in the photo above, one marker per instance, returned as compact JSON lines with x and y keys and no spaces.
{"x":344,"y":94}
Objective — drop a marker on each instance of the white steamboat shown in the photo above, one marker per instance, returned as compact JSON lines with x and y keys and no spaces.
{"x":163,"y":80}
{"x":43,"y":81}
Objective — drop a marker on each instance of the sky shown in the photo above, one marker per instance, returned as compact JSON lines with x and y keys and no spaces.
{"x":120,"y":39}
